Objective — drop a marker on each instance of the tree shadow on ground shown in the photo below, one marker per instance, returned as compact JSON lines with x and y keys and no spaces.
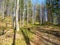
{"x":27,"y":40}
{"x":52,"y":32}
{"x":43,"y":39}
{"x":48,"y":41}
{"x":34,"y":41}
{"x":14,"y":36}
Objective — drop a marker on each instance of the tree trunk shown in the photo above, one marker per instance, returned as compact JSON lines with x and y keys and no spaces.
{"x":17,"y":10}
{"x":3,"y":10}
{"x":33,"y":15}
{"x":23,"y":18}
{"x":27,"y":14}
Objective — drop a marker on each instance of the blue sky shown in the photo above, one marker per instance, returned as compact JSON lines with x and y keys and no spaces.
{"x":38,"y":1}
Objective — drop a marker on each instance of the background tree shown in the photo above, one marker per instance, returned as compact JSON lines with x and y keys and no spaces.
{"x":29,"y":11}
{"x":49,"y":11}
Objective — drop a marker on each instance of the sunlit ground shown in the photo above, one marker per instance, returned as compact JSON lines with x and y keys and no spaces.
{"x":28,"y":35}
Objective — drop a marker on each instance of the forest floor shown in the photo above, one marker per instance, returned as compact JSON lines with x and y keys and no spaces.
{"x":34,"y":35}
{"x":46,"y":35}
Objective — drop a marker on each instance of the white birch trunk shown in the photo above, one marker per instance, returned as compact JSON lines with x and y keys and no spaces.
{"x":40,"y":15}
{"x":3,"y":10}
{"x":33,"y":15}
{"x":23,"y":18}
{"x":27,"y":14}
{"x":24,"y":13}
{"x":17,"y":9}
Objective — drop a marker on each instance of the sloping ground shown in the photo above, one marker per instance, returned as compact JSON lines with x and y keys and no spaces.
{"x":6,"y":39}
{"x":9,"y":39}
{"x":33,"y":36}
{"x":45,"y":37}
{"x":38,"y":35}
{"x":7,"y":34}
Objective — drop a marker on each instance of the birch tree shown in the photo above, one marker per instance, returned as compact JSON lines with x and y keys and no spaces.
{"x":24,"y":13}
{"x":41,"y":13}
{"x":33,"y":14}
{"x":3,"y":9}
{"x":29,"y":11}
{"x":13,"y":11}
{"x":21,"y":12}
{"x":17,"y":10}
